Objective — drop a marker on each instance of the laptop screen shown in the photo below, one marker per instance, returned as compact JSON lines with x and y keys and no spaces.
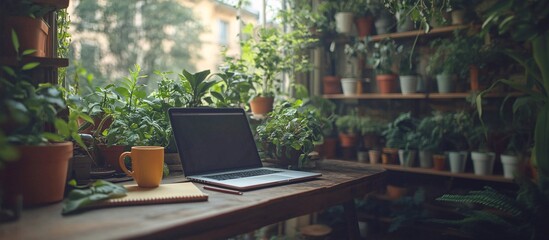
{"x":213,"y":139}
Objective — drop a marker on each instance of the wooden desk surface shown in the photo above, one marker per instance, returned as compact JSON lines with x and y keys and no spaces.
{"x":223,"y":215}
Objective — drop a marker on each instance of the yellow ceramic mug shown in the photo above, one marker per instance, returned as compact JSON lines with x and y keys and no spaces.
{"x":147,"y":164}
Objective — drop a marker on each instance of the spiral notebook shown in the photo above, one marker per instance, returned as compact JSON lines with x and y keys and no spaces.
{"x":165,"y":193}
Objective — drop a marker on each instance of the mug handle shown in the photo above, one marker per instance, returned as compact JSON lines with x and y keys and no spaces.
{"x":123,"y":165}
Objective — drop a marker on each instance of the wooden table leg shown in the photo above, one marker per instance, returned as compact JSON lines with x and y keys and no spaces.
{"x":351,"y":219}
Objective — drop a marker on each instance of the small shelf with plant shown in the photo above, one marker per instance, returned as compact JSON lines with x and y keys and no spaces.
{"x":415,"y":33}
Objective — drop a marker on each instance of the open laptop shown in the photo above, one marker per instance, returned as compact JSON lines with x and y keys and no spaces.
{"x":216,"y":146}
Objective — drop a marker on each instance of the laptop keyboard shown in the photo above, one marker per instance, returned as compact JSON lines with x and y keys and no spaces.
{"x":227,"y":176}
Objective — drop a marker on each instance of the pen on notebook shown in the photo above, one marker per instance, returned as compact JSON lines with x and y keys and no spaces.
{"x":223,"y":190}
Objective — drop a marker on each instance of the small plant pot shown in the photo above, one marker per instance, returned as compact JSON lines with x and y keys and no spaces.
{"x":395,"y":192}
{"x":389,"y":156}
{"x":386,"y":83}
{"x":511,"y":165}
{"x":348,"y":140}
{"x":80,"y":167}
{"x":407,"y":158}
{"x":349,"y":86}
{"x":261,"y":105}
{"x":483,"y":162}
{"x":331,"y":85}
{"x":364,"y":25}
{"x":425,"y":159}
{"x":408,"y":84}
{"x":344,"y":22}
{"x":458,"y":17}
{"x":362,"y":156}
{"x":439,"y":162}
{"x":31,"y":32}
{"x":457,"y":161}
{"x":445,"y":83}
{"x":374,"y":156}
{"x":108,"y":155}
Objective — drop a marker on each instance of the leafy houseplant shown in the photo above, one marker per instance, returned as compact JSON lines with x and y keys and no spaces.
{"x":426,"y":12}
{"x":348,"y":127}
{"x":383,"y":56}
{"x":290,"y":132}
{"x":449,"y":59}
{"x":401,"y":134}
{"x":407,"y":73}
{"x":370,"y":130}
{"x":38,"y":157}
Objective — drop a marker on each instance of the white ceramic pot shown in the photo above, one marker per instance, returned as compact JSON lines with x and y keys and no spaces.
{"x":425,"y":159}
{"x":457,"y":161}
{"x":483,"y":162}
{"x":344,"y":22}
{"x":445,"y":83}
{"x":407,"y":157}
{"x":408,"y":84}
{"x":511,"y":164}
{"x":349,"y":86}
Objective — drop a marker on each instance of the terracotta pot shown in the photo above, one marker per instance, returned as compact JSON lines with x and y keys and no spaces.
{"x":364,"y":25}
{"x":39,"y":175}
{"x":32,"y":34}
{"x":389,"y":156}
{"x":261,"y":105}
{"x":108,"y":155}
{"x":439,"y":162}
{"x":329,"y":148}
{"x":348,"y":140}
{"x":386,"y":83}
{"x":394,"y":192}
{"x":331,"y":85}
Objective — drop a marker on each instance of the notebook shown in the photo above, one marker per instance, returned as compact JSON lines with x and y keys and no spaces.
{"x":216,"y":146}
{"x":165,"y":193}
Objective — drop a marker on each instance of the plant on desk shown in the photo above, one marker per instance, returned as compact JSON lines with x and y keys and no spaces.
{"x":289,"y":133}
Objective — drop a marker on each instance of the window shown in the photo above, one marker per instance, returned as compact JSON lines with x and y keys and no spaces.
{"x":223,"y":32}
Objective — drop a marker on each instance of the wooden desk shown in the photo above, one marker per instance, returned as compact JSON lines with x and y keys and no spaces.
{"x":223,"y":215}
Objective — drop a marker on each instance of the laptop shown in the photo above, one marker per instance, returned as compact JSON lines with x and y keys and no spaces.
{"x":216,"y":146}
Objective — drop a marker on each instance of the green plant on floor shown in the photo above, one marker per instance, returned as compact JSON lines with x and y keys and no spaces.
{"x":291,"y":128}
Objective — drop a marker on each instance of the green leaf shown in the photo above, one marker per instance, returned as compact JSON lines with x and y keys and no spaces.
{"x":30,"y":66}
{"x":15,"y":41}
{"x":79,"y":199}
{"x":9,"y":71}
{"x":29,"y":52}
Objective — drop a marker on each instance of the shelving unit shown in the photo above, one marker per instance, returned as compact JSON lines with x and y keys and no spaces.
{"x":410,"y":34}
{"x":428,"y":171}
{"x":389,"y":96}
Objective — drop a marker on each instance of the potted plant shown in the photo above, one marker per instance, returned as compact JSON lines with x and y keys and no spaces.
{"x":344,"y":15}
{"x":407,"y":73}
{"x":446,"y":62}
{"x":327,"y":113}
{"x":383,"y":57}
{"x":483,"y":158}
{"x":37,"y":161}
{"x":331,"y":83}
{"x":25,"y":18}
{"x":289,"y":133}
{"x":430,"y":129}
{"x":348,"y":127}
{"x":401,"y":135}
{"x":364,"y":18}
{"x":370,"y":132}
{"x":353,"y":51}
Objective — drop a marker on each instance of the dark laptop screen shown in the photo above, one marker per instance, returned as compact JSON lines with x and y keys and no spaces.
{"x":213,"y":139}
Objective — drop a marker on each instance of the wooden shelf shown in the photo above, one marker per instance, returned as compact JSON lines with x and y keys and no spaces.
{"x":377,"y":96}
{"x":396,"y":96}
{"x":44,"y":61}
{"x":58,"y":4}
{"x":429,"y":171}
{"x":410,"y":34}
